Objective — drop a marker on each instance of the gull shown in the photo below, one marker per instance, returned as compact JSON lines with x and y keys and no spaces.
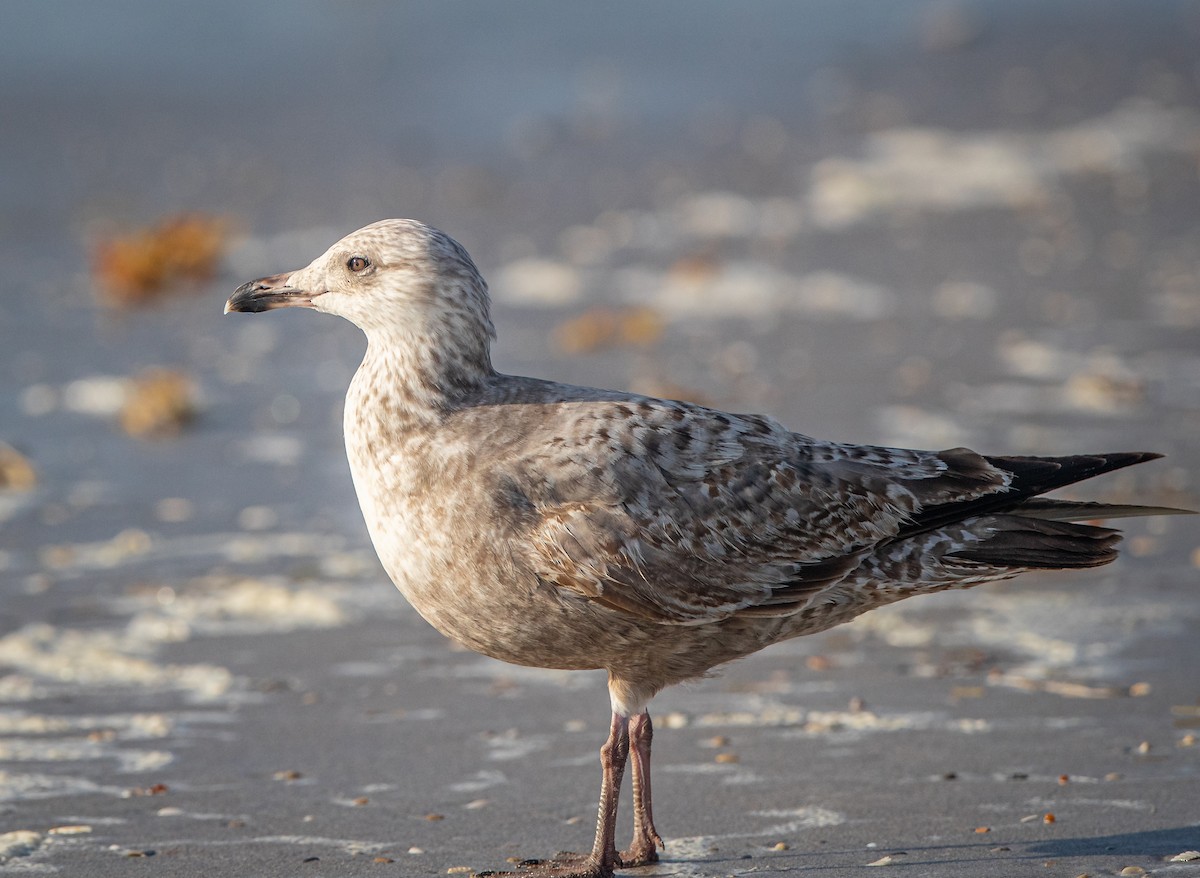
{"x":558,"y":526}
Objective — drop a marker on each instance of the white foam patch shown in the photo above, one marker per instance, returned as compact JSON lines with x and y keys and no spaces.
{"x":767,"y":715}
{"x":128,"y":726}
{"x":53,"y":655}
{"x":940,"y":170}
{"x":478,"y":782}
{"x":537,"y":282}
{"x":132,"y":546}
{"x":239,"y":606}
{"x":351,"y":846}
{"x":19,"y":843}
{"x":727,"y":774}
{"x":841,"y":724}
{"x":1040,"y":803}
{"x":1052,"y":631}
{"x":197,"y":815}
{"x":786,"y":822}
{"x":755,"y":290}
{"x":80,"y":749}
{"x":97,"y":395}
{"x":17,"y":786}
{"x":716,"y":214}
{"x":278,"y":449}
{"x":512,"y":746}
{"x":11,"y":503}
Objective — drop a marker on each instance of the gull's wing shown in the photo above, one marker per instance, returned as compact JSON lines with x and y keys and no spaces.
{"x":685,"y":515}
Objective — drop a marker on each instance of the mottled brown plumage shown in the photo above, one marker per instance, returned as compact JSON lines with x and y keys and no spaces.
{"x":567,"y":527}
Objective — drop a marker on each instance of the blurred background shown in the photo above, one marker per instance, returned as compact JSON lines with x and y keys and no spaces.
{"x":923,"y":223}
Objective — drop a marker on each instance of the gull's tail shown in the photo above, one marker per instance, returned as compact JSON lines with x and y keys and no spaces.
{"x":967,"y":542}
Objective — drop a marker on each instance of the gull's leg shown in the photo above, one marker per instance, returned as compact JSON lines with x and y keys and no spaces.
{"x":646,"y":840}
{"x":603,"y":858}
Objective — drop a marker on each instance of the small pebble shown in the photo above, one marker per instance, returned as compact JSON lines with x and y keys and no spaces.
{"x":1049,"y":818}
{"x":1188,"y":740}
{"x":458,"y":870}
{"x":883,"y":861}
{"x":1132,"y":870}
{"x":1185,"y":857}
{"x":383,"y":860}
{"x":1143,"y":747}
{"x":983,"y":829}
{"x":1064,"y":779}
{"x":781,"y":846}
{"x":289,"y":774}
{"x":726,"y":758}
{"x":435,"y":817}
{"x":414,"y":850}
{"x":361,"y":800}
{"x":1139,"y":690}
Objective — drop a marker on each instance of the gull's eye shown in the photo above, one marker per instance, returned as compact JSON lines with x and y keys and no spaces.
{"x":358,"y":264}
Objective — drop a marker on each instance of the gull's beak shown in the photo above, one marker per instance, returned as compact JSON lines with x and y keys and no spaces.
{"x":266,"y":294}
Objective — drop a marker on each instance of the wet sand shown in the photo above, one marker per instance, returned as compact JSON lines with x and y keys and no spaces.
{"x":927,"y":228}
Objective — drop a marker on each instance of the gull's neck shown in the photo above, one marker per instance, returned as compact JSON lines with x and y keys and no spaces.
{"x":410,"y":378}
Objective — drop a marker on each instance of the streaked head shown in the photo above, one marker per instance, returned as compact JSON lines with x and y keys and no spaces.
{"x":396,"y":275}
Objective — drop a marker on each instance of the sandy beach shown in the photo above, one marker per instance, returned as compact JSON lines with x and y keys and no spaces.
{"x":926,"y":225}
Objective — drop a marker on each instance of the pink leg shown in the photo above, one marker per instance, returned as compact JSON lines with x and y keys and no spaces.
{"x":646,"y":840}
{"x":603,"y":858}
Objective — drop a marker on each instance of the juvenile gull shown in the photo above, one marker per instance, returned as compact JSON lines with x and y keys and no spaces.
{"x":568,"y":527}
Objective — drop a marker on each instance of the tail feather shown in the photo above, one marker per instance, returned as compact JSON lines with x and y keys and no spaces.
{"x":1029,"y":477}
{"x":1017,"y":541}
{"x":1072,"y":510}
{"x":1016,"y":529}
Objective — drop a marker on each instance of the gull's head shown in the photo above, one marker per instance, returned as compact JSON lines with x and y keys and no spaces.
{"x":396,"y":276}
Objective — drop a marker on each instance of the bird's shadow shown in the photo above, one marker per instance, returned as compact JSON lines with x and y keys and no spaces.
{"x":1151,"y":843}
{"x":1158,"y":844}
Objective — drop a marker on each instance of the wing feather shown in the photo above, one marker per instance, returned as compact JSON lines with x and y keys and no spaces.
{"x":681,"y":515}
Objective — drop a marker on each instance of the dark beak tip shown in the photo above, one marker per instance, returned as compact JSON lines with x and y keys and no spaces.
{"x":265,"y":294}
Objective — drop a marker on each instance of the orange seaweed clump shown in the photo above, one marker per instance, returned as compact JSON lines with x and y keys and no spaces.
{"x":140,"y":266}
{"x":598,"y":328}
{"x":16,"y":472}
{"x":158,"y":403}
